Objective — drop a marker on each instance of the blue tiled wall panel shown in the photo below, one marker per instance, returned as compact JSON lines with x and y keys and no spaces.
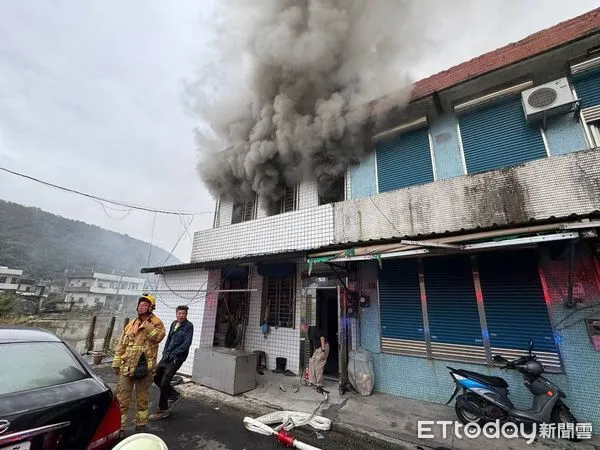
{"x":565,"y":135}
{"x":363,"y":181}
{"x":422,"y":379}
{"x":446,"y":147}
{"x":369,"y":328}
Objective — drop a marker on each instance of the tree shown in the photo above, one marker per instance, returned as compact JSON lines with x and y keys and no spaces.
{"x":7,"y":302}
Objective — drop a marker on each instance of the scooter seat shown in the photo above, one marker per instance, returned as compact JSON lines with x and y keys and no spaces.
{"x":492,"y":381}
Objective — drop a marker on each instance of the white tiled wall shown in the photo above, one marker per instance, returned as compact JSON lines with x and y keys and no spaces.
{"x":225,"y":213}
{"x":305,"y":229}
{"x":182,"y":288}
{"x":280,"y":342}
{"x":348,"y":195}
{"x":260,"y":209}
{"x":308,"y":195}
{"x":207,"y":328}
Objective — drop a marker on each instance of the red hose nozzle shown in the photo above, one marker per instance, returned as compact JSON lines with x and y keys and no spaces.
{"x":286,"y":438}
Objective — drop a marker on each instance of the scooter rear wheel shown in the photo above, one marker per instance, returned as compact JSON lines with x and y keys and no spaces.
{"x":561,"y":414}
{"x":466,"y":416}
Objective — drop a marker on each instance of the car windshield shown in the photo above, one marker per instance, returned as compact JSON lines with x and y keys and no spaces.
{"x":34,"y":365}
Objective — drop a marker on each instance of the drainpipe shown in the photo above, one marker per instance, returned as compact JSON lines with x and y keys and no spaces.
{"x":569,"y":303}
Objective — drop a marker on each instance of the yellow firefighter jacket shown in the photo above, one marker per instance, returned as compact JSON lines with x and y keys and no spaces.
{"x":137,"y":338}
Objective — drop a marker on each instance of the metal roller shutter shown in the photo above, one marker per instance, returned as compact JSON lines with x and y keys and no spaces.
{"x":587,"y":88}
{"x":515,"y":306}
{"x":404,"y":161}
{"x":498,"y":136}
{"x":400,"y":307}
{"x":454,"y":323}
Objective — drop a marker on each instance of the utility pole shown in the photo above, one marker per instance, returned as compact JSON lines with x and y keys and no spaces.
{"x":118,"y":288}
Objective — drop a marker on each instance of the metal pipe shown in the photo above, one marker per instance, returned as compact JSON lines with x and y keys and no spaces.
{"x":569,"y":303}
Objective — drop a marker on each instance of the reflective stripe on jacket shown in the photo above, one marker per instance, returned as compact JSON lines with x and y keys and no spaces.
{"x":137,"y":338}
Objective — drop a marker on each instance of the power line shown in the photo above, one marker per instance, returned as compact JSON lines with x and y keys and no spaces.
{"x":151,"y":240}
{"x":113,"y":202}
{"x":386,"y":217}
{"x":104,"y":208}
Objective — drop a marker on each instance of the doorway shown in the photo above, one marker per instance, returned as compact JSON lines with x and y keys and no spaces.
{"x":327,"y":321}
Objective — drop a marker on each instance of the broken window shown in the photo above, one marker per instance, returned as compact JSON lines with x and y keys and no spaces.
{"x":243,"y":211}
{"x":336,"y":193}
{"x":278,"y":302}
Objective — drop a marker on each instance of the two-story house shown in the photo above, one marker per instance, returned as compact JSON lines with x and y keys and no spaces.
{"x":9,"y":278}
{"x":471,"y":229}
{"x":86,"y":287}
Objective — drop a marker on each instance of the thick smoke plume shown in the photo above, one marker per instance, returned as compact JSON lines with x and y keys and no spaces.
{"x":291,"y":88}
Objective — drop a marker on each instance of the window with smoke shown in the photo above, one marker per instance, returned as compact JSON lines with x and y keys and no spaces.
{"x":297,"y":88}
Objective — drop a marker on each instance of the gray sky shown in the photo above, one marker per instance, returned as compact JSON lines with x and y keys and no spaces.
{"x":91,"y":98}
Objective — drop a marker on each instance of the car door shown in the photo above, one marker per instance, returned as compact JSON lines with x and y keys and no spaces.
{"x":48,"y":399}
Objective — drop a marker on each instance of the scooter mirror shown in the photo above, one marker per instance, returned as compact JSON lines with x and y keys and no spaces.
{"x":530,"y":346}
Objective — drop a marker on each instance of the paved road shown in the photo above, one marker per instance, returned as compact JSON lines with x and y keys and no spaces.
{"x":202,"y":423}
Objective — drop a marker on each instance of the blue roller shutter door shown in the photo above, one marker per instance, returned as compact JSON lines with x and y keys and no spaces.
{"x":498,"y":136}
{"x":452,"y":309}
{"x":402,"y":328}
{"x":587,"y":88}
{"x":404,"y":161}
{"x":515,"y":306}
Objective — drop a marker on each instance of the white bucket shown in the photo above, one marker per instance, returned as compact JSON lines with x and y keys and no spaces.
{"x":142,"y":441}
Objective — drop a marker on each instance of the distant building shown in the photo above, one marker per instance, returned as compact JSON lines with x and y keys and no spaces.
{"x":101,"y":290}
{"x":55,"y":287}
{"x":9,"y":278}
{"x":28,"y":287}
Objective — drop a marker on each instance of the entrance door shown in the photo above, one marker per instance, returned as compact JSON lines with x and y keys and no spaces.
{"x":327,"y":321}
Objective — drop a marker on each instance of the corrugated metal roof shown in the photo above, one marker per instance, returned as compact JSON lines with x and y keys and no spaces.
{"x":217,"y":264}
{"x":371,"y":244}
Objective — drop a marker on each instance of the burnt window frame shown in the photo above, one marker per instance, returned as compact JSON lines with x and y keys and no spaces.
{"x":342,"y":198}
{"x":282,"y":291}
{"x":248,"y":211}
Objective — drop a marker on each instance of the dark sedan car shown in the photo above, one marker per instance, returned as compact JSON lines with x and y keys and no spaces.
{"x":50,"y":399}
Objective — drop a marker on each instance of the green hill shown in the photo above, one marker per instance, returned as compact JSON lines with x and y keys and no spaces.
{"x":44,"y":245}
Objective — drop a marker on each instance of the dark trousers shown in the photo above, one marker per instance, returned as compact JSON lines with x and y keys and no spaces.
{"x":163,"y":377}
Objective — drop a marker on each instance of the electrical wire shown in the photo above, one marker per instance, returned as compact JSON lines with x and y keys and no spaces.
{"x":581,"y":319}
{"x":113,"y":202}
{"x":183,"y":229}
{"x":104,"y":208}
{"x":151,"y":240}
{"x":386,"y":217}
{"x":197,"y":297}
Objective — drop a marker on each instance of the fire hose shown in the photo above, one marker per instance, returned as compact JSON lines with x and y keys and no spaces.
{"x":287,"y":421}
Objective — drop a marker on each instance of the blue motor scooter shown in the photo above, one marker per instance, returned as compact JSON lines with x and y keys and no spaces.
{"x":485,"y":398}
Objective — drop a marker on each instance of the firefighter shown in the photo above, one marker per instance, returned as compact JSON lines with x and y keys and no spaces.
{"x":135,"y":360}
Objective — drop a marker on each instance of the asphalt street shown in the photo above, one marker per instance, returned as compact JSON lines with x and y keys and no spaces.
{"x":203,"y":423}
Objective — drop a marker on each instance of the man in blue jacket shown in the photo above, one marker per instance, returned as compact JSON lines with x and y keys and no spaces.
{"x":177,"y":348}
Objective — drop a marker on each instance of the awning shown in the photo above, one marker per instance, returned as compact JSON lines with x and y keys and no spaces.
{"x":524,"y":236}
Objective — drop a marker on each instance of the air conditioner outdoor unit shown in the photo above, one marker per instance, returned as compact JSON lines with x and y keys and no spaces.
{"x":548,"y":99}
